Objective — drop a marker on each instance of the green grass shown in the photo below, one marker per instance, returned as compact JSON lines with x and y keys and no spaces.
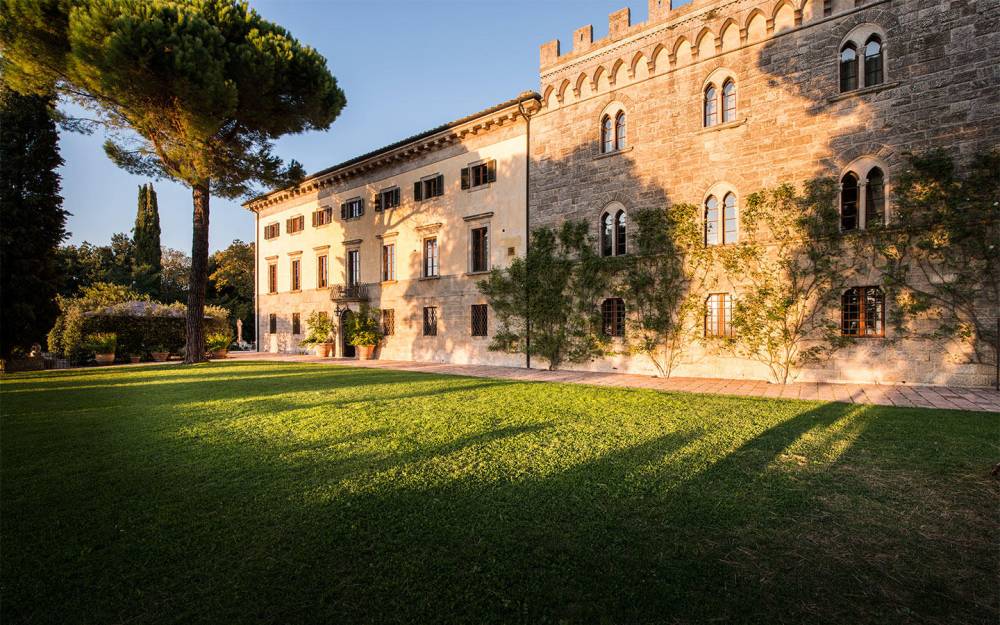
{"x":284,"y":493}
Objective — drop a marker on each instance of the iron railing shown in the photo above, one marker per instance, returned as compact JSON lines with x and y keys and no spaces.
{"x":349,"y":292}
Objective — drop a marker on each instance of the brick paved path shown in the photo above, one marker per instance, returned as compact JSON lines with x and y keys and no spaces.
{"x":954,"y":398}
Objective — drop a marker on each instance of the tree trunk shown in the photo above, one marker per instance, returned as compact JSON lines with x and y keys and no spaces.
{"x":195,"y":343}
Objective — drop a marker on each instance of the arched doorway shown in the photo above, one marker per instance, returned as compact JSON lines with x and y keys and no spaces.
{"x":347,"y":350}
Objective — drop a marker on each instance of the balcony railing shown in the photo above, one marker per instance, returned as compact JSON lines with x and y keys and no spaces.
{"x":349,"y":292}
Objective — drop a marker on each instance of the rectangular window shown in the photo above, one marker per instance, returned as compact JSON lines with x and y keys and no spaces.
{"x":323,"y":216}
{"x":388,"y":321}
{"x":430,"y":320}
{"x":272,"y":323}
{"x":480,"y":249}
{"x":272,"y":278}
{"x":353,"y":208}
{"x":428,"y":188}
{"x":862,"y":312}
{"x":389,"y":198}
{"x":827,"y":7}
{"x":479,"y":319}
{"x":431,"y":258}
{"x":296,"y":324}
{"x":353,"y":267}
{"x":388,"y":262}
{"x":719,"y":315}
{"x":271,"y":231}
{"x":479,"y":174}
{"x":322,"y":272}
{"x":296,"y":274}
{"x":295,"y":224}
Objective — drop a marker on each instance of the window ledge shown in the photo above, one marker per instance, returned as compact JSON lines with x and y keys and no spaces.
{"x":724,"y":126}
{"x":480,"y":187}
{"x":387,"y":282}
{"x":615,"y":153}
{"x":295,"y":290}
{"x":477,"y":273}
{"x":322,"y":288}
{"x":430,"y":277}
{"x":862,"y":91}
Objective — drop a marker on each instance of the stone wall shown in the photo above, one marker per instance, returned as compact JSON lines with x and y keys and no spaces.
{"x":792,"y":124}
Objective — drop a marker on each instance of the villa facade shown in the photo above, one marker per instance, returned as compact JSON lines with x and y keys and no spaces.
{"x":704,"y":104}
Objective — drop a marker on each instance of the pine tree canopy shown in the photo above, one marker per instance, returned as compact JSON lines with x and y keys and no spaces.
{"x":206,"y":85}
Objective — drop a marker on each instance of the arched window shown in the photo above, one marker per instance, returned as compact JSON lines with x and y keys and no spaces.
{"x":607,"y":235}
{"x":730,"y":224}
{"x":728,"y":101}
{"x":607,"y":137}
{"x":620,"y":131}
{"x":620,"y":233}
{"x":848,"y":68}
{"x":875,"y":198}
{"x":711,"y":221}
{"x":613,"y":317}
{"x":862,"y":312}
{"x":849,"y":202}
{"x":873,"y":61}
{"x":711,"y":107}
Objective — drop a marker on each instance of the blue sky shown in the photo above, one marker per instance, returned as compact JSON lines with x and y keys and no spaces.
{"x":405,"y":66}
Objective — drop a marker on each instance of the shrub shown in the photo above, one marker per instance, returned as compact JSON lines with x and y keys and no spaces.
{"x":364,"y":327}
{"x":320,"y":328}
{"x":101,"y":343}
{"x":218,"y":341}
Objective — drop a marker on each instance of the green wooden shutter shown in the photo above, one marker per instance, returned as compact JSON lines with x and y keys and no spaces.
{"x":418,"y":191}
{"x":491,"y":171}
{"x":440,"y":184}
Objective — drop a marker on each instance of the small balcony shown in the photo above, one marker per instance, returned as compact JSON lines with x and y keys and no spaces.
{"x":349,"y":292}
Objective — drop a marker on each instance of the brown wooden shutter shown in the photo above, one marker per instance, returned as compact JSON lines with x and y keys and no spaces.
{"x":362,"y":208}
{"x":418,"y":191}
{"x":440,"y":184}
{"x":377,"y":201}
{"x":343,"y":210}
{"x":465,"y":178}
{"x":491,"y":171}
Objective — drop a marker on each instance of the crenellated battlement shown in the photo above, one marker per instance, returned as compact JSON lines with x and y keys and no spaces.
{"x":619,"y":27}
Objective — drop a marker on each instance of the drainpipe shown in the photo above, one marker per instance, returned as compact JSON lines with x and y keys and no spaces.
{"x":256,"y":281}
{"x":527,"y":226}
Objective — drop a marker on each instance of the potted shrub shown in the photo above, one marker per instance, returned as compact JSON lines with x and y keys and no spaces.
{"x":365,"y":332}
{"x":217,"y":344}
{"x":320,"y":334}
{"x":103,"y":345}
{"x":160,"y":353}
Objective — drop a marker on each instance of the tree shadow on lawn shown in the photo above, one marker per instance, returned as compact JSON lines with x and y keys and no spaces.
{"x":510,"y":522}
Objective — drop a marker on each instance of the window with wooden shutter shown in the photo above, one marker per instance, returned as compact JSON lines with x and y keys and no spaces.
{"x":296,"y":323}
{"x":491,"y":169}
{"x":439,"y":184}
{"x":343,"y":210}
{"x":465,"y":177}
{"x":272,"y":323}
{"x":386,"y":199}
{"x":418,"y":187}
{"x":377,"y":202}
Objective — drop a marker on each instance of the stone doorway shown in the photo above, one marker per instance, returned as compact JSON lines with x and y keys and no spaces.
{"x":346,"y":350}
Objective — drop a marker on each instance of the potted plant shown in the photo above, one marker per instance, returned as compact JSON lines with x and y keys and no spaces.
{"x":159,"y":352}
{"x":103,"y":345}
{"x":135,"y":358}
{"x":320,"y":333}
{"x":365,"y":332}
{"x":217,"y":344}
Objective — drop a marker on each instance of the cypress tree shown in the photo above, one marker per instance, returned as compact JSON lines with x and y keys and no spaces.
{"x":147,"y":261}
{"x":32,"y":219}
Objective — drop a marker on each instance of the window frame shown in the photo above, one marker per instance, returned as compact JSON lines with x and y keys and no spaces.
{"x":295,"y":224}
{"x":484,"y":251}
{"x":388,"y":321}
{"x":479,"y":313}
{"x":607,"y":137}
{"x":613,"y":317}
{"x":862,"y":312}
{"x":387,"y":199}
{"x":276,"y":226}
{"x":848,"y":80}
{"x":296,"y":275}
{"x":430,"y":321}
{"x":719,"y":313}
{"x":272,"y":324}
{"x":710,"y":106}
{"x":322,"y":271}
{"x":431,"y":266}
{"x":843,"y":202}
{"x":322,"y":217}
{"x":296,"y":324}
{"x":880,"y":57}
{"x":272,"y":278}
{"x":352,"y":267}
{"x":728,"y":100}
{"x":388,"y":269}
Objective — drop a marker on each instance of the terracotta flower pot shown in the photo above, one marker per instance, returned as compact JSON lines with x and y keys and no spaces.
{"x":105,"y":359}
{"x":219,"y":354}
{"x":134,"y":359}
{"x":160,"y":356}
{"x":365,"y":351}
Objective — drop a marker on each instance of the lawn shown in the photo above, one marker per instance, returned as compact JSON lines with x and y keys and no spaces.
{"x":294,"y":493}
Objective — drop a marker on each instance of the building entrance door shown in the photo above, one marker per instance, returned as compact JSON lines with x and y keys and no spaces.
{"x":347,"y":350}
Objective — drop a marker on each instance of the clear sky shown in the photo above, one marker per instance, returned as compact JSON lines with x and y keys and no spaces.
{"x":405,"y":66}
